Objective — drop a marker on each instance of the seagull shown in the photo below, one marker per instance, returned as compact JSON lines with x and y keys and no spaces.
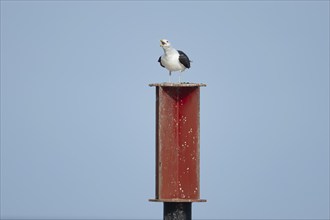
{"x":172,"y":59}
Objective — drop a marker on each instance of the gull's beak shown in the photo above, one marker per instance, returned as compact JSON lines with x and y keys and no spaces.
{"x":161,"y":43}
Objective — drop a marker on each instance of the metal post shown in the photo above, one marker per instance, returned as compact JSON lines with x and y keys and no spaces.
{"x":177,"y":148}
{"x":177,"y":210}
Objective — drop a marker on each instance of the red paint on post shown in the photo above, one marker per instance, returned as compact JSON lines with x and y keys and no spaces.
{"x":177,"y":142}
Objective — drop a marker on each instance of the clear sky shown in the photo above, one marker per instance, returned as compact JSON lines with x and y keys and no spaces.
{"x":78,"y":117}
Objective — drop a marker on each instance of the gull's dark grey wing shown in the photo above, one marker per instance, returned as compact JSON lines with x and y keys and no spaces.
{"x":160,"y":61}
{"x":183,"y":58}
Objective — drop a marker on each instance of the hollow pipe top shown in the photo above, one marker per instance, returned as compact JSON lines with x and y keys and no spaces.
{"x":185,"y":84}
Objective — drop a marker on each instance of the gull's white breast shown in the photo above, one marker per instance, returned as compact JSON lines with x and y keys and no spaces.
{"x":171,"y":62}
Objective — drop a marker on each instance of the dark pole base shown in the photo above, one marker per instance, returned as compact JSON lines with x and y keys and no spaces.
{"x":177,"y":210}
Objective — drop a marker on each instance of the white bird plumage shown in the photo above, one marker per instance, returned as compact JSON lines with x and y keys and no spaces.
{"x":172,"y":59}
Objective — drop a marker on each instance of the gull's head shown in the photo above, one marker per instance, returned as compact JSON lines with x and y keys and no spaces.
{"x":164,"y":43}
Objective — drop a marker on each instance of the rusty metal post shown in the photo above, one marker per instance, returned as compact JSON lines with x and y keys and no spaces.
{"x":177,"y":148}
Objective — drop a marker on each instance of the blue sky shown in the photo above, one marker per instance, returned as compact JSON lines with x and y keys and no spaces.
{"x":78,"y":117}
